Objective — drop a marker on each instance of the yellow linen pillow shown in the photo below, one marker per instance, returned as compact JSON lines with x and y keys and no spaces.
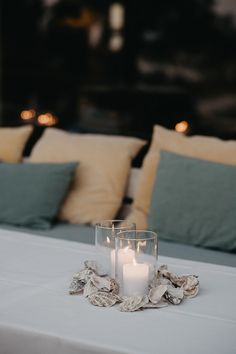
{"x":101,"y":177}
{"x":206,"y":148}
{"x":12,"y":142}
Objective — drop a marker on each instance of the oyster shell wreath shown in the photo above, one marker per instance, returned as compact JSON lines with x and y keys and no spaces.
{"x":102,"y":290}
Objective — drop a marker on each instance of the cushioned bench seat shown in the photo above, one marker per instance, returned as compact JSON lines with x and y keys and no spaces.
{"x":86,"y":234}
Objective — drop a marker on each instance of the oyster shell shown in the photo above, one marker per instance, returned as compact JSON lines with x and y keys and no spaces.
{"x":101,"y":283}
{"x":95,"y":267}
{"x":133,"y":303}
{"x":84,"y":275}
{"x":174,"y":295}
{"x":159,"y":280}
{"x":76,"y":287}
{"x":191,"y":286}
{"x":155,"y":294}
{"x":174,"y":278}
{"x":103,"y":299}
{"x":89,"y":288}
{"x":114,"y":286}
{"x":178,"y":280}
{"x":79,"y":281}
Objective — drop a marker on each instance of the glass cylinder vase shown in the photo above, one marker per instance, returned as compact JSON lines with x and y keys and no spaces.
{"x":135,"y":261}
{"x":105,"y":233}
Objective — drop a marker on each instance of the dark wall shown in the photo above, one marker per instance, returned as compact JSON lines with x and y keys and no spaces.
{"x":176,"y":62}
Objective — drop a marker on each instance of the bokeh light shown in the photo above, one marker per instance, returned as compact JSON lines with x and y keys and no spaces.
{"x":28,"y":114}
{"x":182,"y":127}
{"x":47,"y":119}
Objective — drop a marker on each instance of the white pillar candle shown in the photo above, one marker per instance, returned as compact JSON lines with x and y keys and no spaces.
{"x":124,"y":256}
{"x":135,"y":279}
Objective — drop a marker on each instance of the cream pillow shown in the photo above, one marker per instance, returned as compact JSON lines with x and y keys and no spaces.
{"x":101,"y":177}
{"x":206,"y":148}
{"x":12,"y":142}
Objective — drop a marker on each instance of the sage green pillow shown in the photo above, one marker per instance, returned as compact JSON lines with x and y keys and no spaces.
{"x":194,"y":202}
{"x":31,"y":193}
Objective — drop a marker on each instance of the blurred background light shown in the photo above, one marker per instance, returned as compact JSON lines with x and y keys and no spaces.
{"x":47,"y":119}
{"x":116,"y":42}
{"x":28,"y":114}
{"x":182,"y":127}
{"x":95,"y":34}
{"x":134,"y":63}
{"x":116,"y":16}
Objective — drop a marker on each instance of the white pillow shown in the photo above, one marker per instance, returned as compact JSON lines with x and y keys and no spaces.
{"x":101,"y":177}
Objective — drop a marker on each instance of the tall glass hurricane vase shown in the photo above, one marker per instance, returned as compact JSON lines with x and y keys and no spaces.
{"x":105,"y":234}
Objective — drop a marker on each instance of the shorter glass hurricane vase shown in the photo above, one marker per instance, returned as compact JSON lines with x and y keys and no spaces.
{"x":135,"y":261}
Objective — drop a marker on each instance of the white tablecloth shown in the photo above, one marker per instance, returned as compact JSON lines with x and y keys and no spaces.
{"x":37,"y":316}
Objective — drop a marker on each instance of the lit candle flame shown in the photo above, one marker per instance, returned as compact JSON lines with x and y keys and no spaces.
{"x":140,"y":245}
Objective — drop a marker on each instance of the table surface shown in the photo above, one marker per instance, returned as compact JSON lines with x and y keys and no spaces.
{"x":38,"y":316}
